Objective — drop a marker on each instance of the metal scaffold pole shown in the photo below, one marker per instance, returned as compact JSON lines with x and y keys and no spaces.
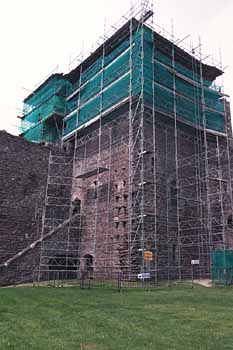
{"x":147,"y":170}
{"x":176,"y":158}
{"x":206,"y":162}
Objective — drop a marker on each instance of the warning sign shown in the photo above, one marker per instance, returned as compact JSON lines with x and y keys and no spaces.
{"x":195,"y":262}
{"x":148,"y":256}
{"x":143,"y":276}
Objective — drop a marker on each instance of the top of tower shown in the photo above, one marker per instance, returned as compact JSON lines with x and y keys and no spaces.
{"x":164,"y":45}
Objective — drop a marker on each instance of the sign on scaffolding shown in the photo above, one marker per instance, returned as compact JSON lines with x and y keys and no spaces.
{"x":148,"y":256}
{"x":143,"y":276}
{"x":195,"y":262}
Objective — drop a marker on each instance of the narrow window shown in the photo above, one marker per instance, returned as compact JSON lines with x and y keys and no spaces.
{"x":76,"y":205}
{"x":174,"y":253}
{"x":95,"y":189}
{"x":230,"y":221}
{"x":152,"y":165}
{"x":173,"y":193}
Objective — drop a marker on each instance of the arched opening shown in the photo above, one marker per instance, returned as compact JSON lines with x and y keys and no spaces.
{"x":88,"y":263}
{"x":76,"y":206}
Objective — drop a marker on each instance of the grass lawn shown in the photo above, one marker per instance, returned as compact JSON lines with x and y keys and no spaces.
{"x":70,"y":318}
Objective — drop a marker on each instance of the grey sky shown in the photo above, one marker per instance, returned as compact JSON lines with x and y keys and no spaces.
{"x":37,"y":35}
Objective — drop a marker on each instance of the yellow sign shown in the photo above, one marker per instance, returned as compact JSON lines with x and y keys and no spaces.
{"x":148,"y":256}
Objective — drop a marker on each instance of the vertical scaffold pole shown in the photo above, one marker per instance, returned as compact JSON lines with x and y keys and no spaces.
{"x":209,"y":222}
{"x":154,"y":153}
{"x":73,"y":181}
{"x":176,"y":154}
{"x":229,"y":167}
{"x":220,"y":176}
{"x":99,"y":152}
{"x":142,"y":153}
{"x":130,"y":153}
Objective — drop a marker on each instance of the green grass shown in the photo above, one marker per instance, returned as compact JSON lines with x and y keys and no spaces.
{"x":70,"y":318}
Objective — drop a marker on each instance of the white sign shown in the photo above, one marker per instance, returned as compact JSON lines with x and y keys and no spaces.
{"x":143,"y":276}
{"x":195,"y":262}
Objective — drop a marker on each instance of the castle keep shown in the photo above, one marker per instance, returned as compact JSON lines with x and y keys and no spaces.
{"x":126,"y":164}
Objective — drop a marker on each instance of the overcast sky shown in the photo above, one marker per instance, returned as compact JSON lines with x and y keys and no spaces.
{"x":38,"y":35}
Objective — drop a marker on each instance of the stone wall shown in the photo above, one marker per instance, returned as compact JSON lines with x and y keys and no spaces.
{"x":184,"y":215}
{"x":187,"y":196}
{"x":23,"y":176}
{"x":23,"y":181}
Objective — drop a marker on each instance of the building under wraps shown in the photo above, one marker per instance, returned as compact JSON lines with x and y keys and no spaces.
{"x":143,"y":183}
{"x":135,"y":61}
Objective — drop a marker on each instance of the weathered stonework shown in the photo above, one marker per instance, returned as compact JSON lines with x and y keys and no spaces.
{"x":22,"y":189}
{"x":202,"y":206}
{"x":187,"y":200}
{"x":23,"y":181}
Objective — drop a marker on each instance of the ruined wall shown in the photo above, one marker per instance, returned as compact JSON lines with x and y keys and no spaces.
{"x":187,"y":209}
{"x":23,"y":181}
{"x":23,"y":176}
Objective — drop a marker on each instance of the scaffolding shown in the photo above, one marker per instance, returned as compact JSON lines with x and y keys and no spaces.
{"x":43,"y":110}
{"x":151,"y":163}
{"x":157,"y":95}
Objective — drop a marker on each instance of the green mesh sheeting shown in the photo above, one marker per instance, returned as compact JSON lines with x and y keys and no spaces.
{"x":222,"y":266}
{"x":55,"y":105}
{"x":113,"y":71}
{"x":47,"y":101}
{"x":158,"y":75}
{"x":43,"y":132}
{"x":115,"y":86}
{"x":54,"y":86}
{"x":98,"y":90}
{"x":193,"y":74}
{"x":111,"y":96}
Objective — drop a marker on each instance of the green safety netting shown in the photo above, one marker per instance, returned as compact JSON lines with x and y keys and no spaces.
{"x":48,"y":100}
{"x":115,"y":85}
{"x":158,"y":80}
{"x":55,"y":105}
{"x":90,"y":110}
{"x":188,"y":96}
{"x":54,"y":86}
{"x":43,"y":132}
{"x":222,"y":266}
